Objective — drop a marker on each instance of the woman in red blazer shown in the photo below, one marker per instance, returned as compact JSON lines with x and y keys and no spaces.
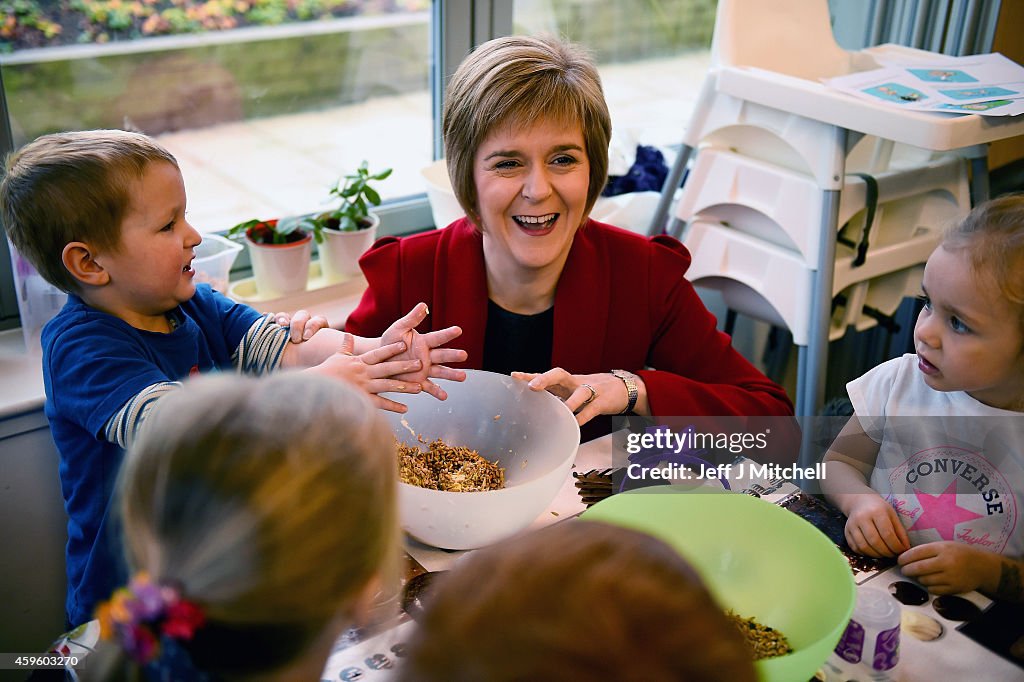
{"x":531,"y":280}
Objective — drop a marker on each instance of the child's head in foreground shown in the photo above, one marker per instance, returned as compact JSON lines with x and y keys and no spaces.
{"x":970,"y":334}
{"x":270,"y":505}
{"x":579,"y":600}
{"x":101,"y":213}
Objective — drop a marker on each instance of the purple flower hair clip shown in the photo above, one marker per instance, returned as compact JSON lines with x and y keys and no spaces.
{"x":142,"y":612}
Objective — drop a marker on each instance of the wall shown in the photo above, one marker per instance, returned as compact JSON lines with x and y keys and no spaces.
{"x":624,"y":29}
{"x":1007,"y":41}
{"x":33,"y":532}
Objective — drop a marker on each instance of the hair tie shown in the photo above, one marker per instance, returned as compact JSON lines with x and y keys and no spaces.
{"x":140,"y":613}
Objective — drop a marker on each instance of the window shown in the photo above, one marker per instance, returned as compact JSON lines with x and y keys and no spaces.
{"x":264,"y":117}
{"x":652,"y":58}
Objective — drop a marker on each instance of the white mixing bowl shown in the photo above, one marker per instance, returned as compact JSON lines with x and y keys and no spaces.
{"x":533,"y":435}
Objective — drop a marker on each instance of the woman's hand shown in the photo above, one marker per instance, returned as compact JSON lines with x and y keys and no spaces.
{"x":373,"y":371}
{"x":950,"y":567}
{"x":301,"y":325}
{"x":587,"y":395}
{"x":426,"y":349}
{"x":873,"y":527}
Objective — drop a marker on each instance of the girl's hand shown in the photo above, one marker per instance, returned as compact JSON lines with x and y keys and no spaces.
{"x":949,"y":567}
{"x":426,"y":349}
{"x":873,"y":528}
{"x":301,"y":325}
{"x":587,"y":395}
{"x":372,"y":371}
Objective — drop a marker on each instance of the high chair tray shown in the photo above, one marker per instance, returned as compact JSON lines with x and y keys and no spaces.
{"x":930,"y":130}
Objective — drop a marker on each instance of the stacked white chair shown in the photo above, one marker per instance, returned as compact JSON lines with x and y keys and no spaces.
{"x":754,"y":235}
{"x":776,"y":201}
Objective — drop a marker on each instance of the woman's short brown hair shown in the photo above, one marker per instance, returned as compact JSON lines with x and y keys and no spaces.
{"x":519,"y":81}
{"x":580,"y":600}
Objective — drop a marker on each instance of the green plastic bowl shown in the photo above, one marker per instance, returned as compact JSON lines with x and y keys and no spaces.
{"x":758,"y":559}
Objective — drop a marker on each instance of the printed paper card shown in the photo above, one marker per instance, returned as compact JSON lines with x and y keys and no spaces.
{"x":990,"y":85}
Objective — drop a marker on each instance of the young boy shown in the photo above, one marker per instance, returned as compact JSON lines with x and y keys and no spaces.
{"x":101,"y":215}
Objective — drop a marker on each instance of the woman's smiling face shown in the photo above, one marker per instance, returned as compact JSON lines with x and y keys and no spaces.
{"x":531,"y":188}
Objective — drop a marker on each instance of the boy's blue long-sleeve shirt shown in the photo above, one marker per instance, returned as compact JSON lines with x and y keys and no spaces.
{"x":94,"y":363}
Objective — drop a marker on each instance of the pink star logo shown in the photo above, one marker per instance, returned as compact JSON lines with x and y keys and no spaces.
{"x":941,"y":512}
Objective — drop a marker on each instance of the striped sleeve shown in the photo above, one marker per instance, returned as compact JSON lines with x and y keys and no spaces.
{"x":123,"y":426}
{"x":262,"y":348}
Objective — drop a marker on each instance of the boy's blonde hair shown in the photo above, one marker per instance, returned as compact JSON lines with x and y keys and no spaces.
{"x":73,"y":186}
{"x":271,"y":503}
{"x":993,"y":236}
{"x":577,"y":601}
{"x":519,"y":81}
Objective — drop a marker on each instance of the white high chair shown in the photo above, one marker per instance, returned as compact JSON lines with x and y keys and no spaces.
{"x":762,"y":99}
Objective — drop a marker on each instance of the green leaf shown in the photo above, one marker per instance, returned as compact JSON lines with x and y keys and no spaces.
{"x":240,"y":228}
{"x":372,"y":196}
{"x":286,"y":226}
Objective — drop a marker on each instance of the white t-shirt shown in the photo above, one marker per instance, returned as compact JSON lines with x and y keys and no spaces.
{"x":951,"y":467}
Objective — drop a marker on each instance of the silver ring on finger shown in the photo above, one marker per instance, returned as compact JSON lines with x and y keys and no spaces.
{"x":593,"y":394}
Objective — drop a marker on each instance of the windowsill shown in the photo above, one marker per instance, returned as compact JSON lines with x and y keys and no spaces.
{"x":21,"y":388}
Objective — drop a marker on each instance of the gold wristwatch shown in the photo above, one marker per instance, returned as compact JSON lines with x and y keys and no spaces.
{"x":632,"y":392}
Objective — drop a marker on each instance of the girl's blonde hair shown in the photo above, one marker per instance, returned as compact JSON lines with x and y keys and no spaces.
{"x":992,"y":234}
{"x":518,"y":81}
{"x":270,"y":503}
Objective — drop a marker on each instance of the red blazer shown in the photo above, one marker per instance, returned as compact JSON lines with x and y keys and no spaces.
{"x":621,"y":303}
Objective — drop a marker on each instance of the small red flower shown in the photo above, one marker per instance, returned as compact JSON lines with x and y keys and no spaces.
{"x":182,"y":620}
{"x":141,"y":644}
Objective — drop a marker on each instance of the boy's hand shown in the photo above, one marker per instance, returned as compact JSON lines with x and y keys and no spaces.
{"x":301,"y":325}
{"x":425,"y":348}
{"x":372,"y":370}
{"x":949,"y":567}
{"x":874,"y":529}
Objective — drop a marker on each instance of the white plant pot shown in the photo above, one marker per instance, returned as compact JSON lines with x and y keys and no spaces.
{"x":280,"y":269}
{"x":340,"y":251}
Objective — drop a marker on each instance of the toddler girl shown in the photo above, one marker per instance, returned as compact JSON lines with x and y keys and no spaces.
{"x":930,"y":466}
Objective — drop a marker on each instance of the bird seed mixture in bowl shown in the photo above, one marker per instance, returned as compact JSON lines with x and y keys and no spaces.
{"x":449,"y":468}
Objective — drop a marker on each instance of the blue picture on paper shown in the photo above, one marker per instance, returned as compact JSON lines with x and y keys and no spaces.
{"x":978,"y":106}
{"x":975,"y":93}
{"x":895,"y":92}
{"x":943,"y":75}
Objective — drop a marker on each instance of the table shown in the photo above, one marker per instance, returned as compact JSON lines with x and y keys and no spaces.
{"x":953,"y":656}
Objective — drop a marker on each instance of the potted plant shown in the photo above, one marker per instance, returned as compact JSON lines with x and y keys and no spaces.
{"x":351,"y":228}
{"x":280,"y":252}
